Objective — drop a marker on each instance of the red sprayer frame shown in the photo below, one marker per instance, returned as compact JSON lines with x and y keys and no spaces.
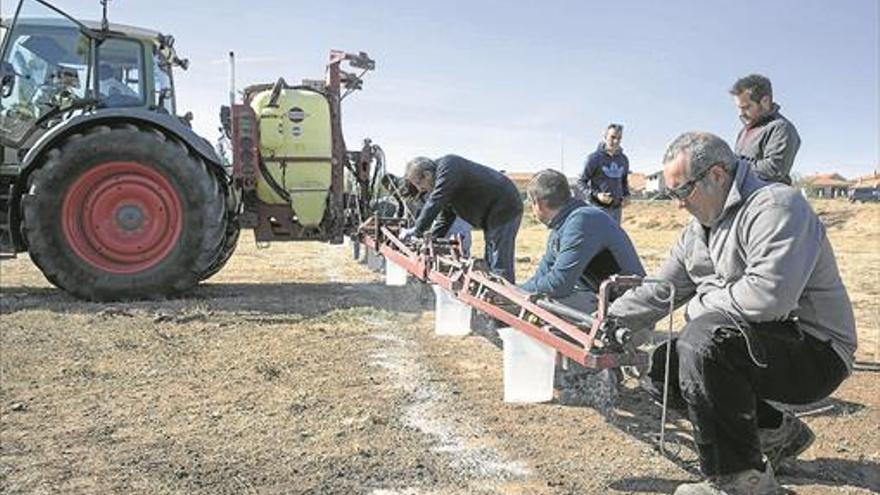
{"x":591,"y":342}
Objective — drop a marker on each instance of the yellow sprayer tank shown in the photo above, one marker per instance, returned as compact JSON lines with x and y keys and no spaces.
{"x":297,"y":150}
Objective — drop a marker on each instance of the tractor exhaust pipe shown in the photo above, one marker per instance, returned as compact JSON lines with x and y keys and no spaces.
{"x":231,"y":78}
{"x":105,"y":25}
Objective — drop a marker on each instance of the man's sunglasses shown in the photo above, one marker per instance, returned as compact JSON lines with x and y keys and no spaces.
{"x":685,"y":190}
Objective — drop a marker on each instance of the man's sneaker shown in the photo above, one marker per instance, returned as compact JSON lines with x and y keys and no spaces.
{"x":788,"y":441}
{"x":749,"y":482}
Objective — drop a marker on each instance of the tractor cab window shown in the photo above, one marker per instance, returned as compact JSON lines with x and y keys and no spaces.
{"x":44,"y":70}
{"x":162,"y":82}
{"x":118,"y":73}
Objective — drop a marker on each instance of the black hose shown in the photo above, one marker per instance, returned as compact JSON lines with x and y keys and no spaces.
{"x":271,"y":181}
{"x":567,"y":312}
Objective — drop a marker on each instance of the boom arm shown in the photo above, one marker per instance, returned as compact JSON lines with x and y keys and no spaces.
{"x":593,"y":342}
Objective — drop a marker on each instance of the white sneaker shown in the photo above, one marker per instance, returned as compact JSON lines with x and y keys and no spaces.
{"x":748,"y":482}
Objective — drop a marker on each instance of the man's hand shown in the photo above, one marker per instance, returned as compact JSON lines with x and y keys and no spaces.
{"x":407,"y":234}
{"x":605,"y":198}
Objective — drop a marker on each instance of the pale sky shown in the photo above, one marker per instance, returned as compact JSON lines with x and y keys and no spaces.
{"x":522,"y":86}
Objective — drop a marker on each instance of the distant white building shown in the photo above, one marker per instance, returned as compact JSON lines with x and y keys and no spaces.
{"x":654,"y":184}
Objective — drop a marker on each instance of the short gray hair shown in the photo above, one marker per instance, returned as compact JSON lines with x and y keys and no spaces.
{"x":703,"y":150}
{"x":549,"y":187}
{"x":420,"y":167}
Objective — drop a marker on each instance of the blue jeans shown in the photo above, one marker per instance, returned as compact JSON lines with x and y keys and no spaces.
{"x":501,"y":248}
{"x":615,"y":213}
{"x":463,"y":229}
{"x":724,"y":372}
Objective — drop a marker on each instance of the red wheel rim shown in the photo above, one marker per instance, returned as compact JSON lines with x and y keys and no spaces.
{"x":122,"y":217}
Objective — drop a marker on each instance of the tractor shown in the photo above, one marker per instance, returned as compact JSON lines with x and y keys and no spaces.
{"x":115,"y":197}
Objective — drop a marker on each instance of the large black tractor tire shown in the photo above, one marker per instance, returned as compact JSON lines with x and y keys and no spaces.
{"x":124,"y":212}
{"x":227,"y":247}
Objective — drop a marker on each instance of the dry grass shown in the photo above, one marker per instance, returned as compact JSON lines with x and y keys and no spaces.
{"x":295,"y":370}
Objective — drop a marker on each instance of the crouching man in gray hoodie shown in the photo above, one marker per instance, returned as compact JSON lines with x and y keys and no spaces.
{"x":767,"y":316}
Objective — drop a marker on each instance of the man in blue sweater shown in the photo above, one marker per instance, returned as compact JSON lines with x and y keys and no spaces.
{"x":585,"y":245}
{"x":604,"y":179}
{"x":483,"y":197}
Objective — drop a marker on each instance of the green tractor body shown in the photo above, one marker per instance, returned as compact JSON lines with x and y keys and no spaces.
{"x":114,"y":196}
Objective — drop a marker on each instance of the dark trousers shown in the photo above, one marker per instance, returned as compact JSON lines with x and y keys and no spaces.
{"x":501,"y":248}
{"x":615,"y":213}
{"x":723,"y":372}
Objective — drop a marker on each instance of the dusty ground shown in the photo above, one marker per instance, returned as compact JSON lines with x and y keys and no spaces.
{"x":295,"y":370}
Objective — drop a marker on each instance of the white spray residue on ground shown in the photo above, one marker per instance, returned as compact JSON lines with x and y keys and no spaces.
{"x":428,"y":413}
{"x":331,"y":268}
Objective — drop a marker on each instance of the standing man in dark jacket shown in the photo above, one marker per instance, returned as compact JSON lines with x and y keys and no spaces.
{"x":768,"y":140}
{"x":584,"y":248}
{"x":604,"y":179}
{"x":483,"y":197}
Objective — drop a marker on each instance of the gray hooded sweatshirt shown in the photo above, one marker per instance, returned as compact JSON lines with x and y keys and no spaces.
{"x":767,"y":258}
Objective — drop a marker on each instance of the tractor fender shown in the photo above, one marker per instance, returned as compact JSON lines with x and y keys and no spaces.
{"x":161,"y":121}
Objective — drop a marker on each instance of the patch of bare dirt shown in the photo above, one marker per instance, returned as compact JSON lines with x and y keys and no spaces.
{"x":296,"y":370}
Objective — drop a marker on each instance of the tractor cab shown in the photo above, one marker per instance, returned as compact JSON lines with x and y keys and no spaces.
{"x":115,"y":197}
{"x":53,"y":67}
{"x":109,"y":192}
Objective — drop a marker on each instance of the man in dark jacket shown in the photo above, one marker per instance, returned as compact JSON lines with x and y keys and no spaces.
{"x":483,"y":197}
{"x":410,"y":202}
{"x":584,"y":248}
{"x":768,"y":140}
{"x":604,"y":179}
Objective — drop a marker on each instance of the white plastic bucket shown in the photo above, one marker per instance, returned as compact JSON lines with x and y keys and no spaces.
{"x":451,"y":316}
{"x":528,"y":367}
{"x":395,"y":275}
